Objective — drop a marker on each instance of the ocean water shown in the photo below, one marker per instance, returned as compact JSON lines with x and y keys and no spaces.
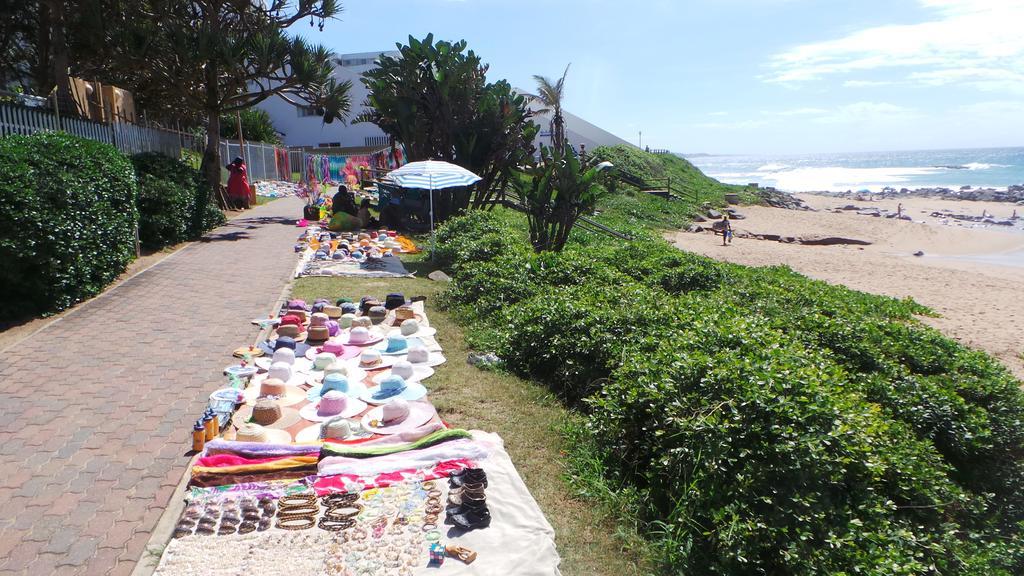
{"x":979,"y":167}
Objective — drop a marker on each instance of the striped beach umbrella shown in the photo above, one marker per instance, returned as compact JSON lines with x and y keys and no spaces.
{"x":432,"y":175}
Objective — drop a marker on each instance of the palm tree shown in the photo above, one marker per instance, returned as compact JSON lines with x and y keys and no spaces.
{"x":550,"y":94}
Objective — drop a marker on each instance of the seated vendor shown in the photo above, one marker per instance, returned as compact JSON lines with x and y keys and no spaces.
{"x":342,"y":221}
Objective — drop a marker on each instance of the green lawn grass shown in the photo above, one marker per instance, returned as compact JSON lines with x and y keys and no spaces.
{"x":525,"y":414}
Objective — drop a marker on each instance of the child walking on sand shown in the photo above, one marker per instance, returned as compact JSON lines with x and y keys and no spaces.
{"x":726,"y":230}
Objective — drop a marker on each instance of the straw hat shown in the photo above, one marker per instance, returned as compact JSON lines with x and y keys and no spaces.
{"x":332,"y":404}
{"x":398,"y":416}
{"x":243,"y":351}
{"x":249,"y":432}
{"x":267,"y":413}
{"x":333,"y":312}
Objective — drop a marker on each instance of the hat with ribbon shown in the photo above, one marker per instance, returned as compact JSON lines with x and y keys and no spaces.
{"x":371,"y":359}
{"x":337,"y":428}
{"x":332,"y":404}
{"x":407,"y":371}
{"x":267,"y":413}
{"x":398,"y":416}
{"x":276,"y":390}
{"x":392,"y":388}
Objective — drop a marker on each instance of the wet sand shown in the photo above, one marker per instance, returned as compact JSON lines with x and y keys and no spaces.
{"x":973,"y":276}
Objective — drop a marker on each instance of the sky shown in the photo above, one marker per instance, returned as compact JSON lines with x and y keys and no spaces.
{"x":741,"y":76}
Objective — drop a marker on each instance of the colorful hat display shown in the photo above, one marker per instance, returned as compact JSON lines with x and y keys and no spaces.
{"x":393,"y":388}
{"x":398,"y":416}
{"x":332,"y":404}
{"x":250,"y":432}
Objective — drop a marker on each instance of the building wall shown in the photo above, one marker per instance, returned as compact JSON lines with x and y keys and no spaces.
{"x":302,"y":129}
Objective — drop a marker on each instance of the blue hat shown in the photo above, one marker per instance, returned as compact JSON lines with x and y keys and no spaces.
{"x":396,"y":344}
{"x":337,"y":383}
{"x":392,"y":388}
{"x":271,"y":346}
{"x":349,"y":307}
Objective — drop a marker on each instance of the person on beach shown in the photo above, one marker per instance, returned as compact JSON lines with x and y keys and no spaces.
{"x":726,"y":230}
{"x":238,"y":184}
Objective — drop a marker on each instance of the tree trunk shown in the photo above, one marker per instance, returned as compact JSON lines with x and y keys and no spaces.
{"x":211,"y":156}
{"x":60,"y":49}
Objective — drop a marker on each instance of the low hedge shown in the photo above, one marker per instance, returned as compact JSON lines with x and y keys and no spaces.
{"x":174,"y":203}
{"x":67,"y":220}
{"x":756,"y":421}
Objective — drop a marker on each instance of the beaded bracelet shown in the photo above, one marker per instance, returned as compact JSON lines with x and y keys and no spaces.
{"x":335,"y":525}
{"x":292,"y":500}
{"x":305,"y":522}
{"x":338,"y":499}
{"x":291,"y":512}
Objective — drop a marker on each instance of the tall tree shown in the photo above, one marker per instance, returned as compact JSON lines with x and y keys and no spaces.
{"x":549,"y":94}
{"x":216,"y":57}
{"x":435,"y":99}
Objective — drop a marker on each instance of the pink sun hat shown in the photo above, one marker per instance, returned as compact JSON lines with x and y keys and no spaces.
{"x":332,"y":404}
{"x":342,"y":351}
{"x":398,"y":416}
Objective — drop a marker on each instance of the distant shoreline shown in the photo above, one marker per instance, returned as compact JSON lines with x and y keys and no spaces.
{"x":1011,"y":194}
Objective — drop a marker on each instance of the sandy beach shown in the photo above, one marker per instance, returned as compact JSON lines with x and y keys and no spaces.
{"x":970,"y":274}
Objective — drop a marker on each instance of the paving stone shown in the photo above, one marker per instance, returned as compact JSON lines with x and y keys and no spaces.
{"x":86,"y":475}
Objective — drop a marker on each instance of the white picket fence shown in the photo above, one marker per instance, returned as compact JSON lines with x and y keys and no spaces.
{"x":134,"y":139}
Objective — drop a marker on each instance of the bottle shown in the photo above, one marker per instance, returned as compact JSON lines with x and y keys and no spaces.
{"x":198,"y":436}
{"x":216,"y":423}
{"x":208,"y":425}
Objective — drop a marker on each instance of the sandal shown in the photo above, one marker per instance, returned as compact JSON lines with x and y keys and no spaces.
{"x":464,"y":554}
{"x":472,"y":518}
{"x":472,"y":476}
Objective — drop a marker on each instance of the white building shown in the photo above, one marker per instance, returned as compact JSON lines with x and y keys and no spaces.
{"x":303,"y":127}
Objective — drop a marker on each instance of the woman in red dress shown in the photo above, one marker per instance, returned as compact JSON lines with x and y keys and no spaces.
{"x":238,"y":184}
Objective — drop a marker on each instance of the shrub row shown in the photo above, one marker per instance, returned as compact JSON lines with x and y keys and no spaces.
{"x":68,"y":213}
{"x":760,"y":421}
{"x":174,"y":204}
{"x":67,"y":220}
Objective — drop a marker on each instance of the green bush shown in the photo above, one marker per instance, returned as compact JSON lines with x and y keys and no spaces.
{"x":757,"y":421}
{"x":67,"y":220}
{"x":174,"y":203}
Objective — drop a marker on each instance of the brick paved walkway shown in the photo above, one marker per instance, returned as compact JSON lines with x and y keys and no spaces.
{"x":96,"y":409}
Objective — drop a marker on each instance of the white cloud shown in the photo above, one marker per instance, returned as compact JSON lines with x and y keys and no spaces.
{"x":866,"y":83}
{"x":972,"y":42}
{"x":796,"y":112}
{"x":867,"y":113}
